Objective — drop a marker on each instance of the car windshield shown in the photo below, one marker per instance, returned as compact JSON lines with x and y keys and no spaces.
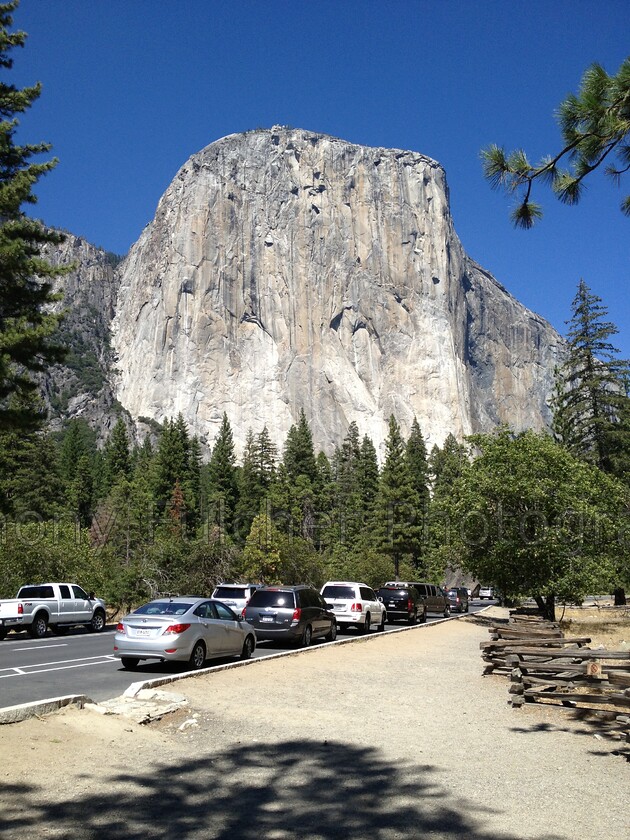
{"x":451,"y":591}
{"x":163,"y":608}
{"x":272,"y":598}
{"x":338,"y":592}
{"x":230,"y":592}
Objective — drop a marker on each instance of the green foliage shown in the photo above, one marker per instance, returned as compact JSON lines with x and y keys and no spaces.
{"x":531,"y":519}
{"x":591,"y":405}
{"x":595,"y":126}
{"x":398,"y":511}
{"x":43,"y":551}
{"x":27,"y":325}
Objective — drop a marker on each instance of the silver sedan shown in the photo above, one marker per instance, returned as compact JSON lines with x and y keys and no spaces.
{"x":182,"y":630}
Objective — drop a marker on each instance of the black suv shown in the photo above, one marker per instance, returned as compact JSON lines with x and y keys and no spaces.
{"x":295,"y":614}
{"x":402,"y":602}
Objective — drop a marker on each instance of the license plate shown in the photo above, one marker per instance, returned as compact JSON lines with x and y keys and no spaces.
{"x":143,"y":632}
{"x":268,"y":618}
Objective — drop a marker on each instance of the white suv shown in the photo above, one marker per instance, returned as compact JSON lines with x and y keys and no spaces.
{"x":354,"y":605}
{"x":235,"y":595}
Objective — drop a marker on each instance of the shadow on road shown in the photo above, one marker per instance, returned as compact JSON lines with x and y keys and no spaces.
{"x":292,"y":789}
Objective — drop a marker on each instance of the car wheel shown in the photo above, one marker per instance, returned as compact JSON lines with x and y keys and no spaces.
{"x":39,"y":626}
{"x":198,"y":656}
{"x":423,"y":618}
{"x":3,"y":633}
{"x":332,"y":633}
{"x":306,"y":637}
{"x":129,"y":662}
{"x":249,"y":646}
{"x":367,"y":624}
{"x":447,"y":612}
{"x":98,"y":622}
{"x":467,"y":606}
{"x":413,"y":618}
{"x":381,"y":626}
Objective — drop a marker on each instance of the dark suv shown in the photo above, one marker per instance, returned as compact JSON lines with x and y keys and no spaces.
{"x":433,"y":597}
{"x":294,"y":614}
{"x":457,"y":598}
{"x":402,"y":602}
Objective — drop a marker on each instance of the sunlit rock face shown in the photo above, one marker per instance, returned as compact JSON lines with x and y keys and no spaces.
{"x":288,"y":270}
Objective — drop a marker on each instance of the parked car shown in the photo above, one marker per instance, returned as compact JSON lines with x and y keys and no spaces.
{"x":486,"y":592}
{"x":354,"y":605}
{"x":458,"y":598}
{"x":56,"y":605}
{"x":182,"y":630}
{"x":293,"y":614}
{"x":433,"y":597}
{"x":402,"y":602}
{"x":235,"y":595}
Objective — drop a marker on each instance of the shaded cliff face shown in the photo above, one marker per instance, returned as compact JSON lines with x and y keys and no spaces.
{"x":286,"y":270}
{"x":80,"y":386}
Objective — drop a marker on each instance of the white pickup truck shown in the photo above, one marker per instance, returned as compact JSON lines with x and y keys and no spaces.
{"x":55,"y":605}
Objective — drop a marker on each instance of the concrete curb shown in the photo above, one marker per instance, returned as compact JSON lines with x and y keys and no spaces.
{"x":14,"y":714}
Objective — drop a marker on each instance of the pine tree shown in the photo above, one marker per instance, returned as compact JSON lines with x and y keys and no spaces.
{"x":299,"y":455}
{"x":81,"y":492}
{"x":223,"y":492}
{"x":30,"y":481}
{"x":117,"y":459}
{"x":27,"y":324}
{"x":398,"y":514}
{"x":417,"y":463}
{"x":591,"y":406}
{"x":595,"y":129}
{"x":446,"y":465}
{"x":348,"y":500}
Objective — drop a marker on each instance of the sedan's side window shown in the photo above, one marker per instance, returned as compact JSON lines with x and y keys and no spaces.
{"x":202,"y":611}
{"x":224,"y":613}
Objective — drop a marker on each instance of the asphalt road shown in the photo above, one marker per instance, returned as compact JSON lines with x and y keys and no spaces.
{"x":83,"y":663}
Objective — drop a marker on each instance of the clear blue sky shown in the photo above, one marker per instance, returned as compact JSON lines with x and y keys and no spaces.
{"x":132,"y":88}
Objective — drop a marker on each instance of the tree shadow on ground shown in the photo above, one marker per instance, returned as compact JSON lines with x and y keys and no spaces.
{"x":582,"y":723}
{"x":293,"y":789}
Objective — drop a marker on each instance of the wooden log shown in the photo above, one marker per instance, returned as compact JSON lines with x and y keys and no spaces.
{"x":575,"y":697}
{"x":571,"y":653}
{"x":551,"y":641}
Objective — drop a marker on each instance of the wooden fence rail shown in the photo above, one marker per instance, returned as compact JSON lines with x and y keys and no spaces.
{"x":544,"y":666}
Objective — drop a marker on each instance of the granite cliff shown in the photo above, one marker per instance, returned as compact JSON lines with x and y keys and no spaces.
{"x":288,"y":270}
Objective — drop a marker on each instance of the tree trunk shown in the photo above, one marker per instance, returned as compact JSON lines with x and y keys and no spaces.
{"x":620,"y":596}
{"x":547,"y":606}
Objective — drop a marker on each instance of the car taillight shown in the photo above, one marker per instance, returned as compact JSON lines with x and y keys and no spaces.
{"x":20,"y":609}
{"x":356,"y":608}
{"x":120,"y":627}
{"x":409,"y":604}
{"x":296,"y":614}
{"x":176,"y":629}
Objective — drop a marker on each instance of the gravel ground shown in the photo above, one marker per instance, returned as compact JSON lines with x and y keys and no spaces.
{"x":395,"y":736}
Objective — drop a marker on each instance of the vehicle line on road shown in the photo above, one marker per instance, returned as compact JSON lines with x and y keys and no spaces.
{"x":39,"y":647}
{"x":66,"y":664}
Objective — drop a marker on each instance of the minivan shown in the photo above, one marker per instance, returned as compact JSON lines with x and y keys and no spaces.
{"x":294,"y":614}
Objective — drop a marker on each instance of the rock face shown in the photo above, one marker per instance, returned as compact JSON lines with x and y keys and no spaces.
{"x":80,"y":386}
{"x":287,"y":270}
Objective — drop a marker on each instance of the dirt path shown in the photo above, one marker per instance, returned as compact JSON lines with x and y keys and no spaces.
{"x":398,"y":736}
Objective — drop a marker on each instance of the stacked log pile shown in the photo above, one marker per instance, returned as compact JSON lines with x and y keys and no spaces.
{"x":544,"y":666}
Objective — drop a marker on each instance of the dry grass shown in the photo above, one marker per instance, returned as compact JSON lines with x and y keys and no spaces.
{"x":606,"y":625}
